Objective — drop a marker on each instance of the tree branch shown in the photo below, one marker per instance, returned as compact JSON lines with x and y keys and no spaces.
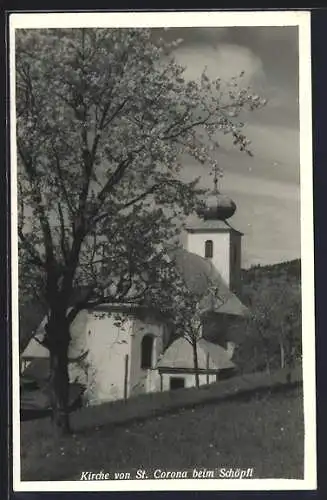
{"x":62,"y":183}
{"x":112,"y":181}
{"x":185,"y":129}
{"x":63,"y":241}
{"x":36,"y":259}
{"x":140,"y":197}
{"x":37,"y":197}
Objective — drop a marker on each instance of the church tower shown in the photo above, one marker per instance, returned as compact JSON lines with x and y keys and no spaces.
{"x":212,"y":237}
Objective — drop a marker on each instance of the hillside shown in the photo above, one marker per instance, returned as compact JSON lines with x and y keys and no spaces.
{"x":290,"y":270}
{"x":228,"y":434}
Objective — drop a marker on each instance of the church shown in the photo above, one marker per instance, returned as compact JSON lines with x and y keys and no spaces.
{"x":116,"y":360}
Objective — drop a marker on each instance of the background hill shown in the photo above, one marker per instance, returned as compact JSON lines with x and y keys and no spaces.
{"x":282,"y":271}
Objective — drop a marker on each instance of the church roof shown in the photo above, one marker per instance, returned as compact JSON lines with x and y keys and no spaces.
{"x":210,"y":225}
{"x":39,"y":367}
{"x":202,"y":277}
{"x":180,"y":355}
{"x":34,"y":349}
{"x":30,"y":317}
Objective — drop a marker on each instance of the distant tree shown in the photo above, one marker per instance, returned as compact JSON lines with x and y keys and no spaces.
{"x":186,"y":318}
{"x":273,"y":332}
{"x":104,"y":118}
{"x":186,"y":309}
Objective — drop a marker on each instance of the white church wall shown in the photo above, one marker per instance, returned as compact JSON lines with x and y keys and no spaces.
{"x":108,"y":345}
{"x":221,"y":249}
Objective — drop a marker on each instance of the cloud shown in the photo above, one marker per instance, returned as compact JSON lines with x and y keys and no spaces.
{"x":276,"y":153}
{"x":275,"y":150}
{"x":265,"y":187}
{"x":268,"y":55}
{"x":223,"y":61}
{"x":195,"y":35}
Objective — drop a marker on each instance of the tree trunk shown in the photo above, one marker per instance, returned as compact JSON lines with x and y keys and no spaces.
{"x":267,"y":363}
{"x":196,"y":364}
{"x":58,"y":340}
{"x":290,"y":356}
{"x":282,"y":353}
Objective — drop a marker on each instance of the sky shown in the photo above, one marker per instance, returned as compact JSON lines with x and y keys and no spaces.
{"x":265,"y":187}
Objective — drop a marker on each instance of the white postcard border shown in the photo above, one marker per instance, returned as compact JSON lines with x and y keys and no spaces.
{"x":185,"y":19}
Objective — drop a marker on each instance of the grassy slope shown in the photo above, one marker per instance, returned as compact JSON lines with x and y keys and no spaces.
{"x":265,"y":433}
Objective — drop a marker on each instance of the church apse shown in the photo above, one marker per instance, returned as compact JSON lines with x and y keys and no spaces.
{"x":108,"y":345}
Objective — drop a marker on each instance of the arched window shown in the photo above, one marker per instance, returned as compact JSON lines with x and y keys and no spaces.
{"x":147,"y":352}
{"x":208,"y":249}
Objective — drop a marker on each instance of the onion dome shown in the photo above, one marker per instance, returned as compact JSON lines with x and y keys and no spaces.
{"x":217,"y":207}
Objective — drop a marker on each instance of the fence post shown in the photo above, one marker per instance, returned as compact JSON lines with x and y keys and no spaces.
{"x":126,"y":377}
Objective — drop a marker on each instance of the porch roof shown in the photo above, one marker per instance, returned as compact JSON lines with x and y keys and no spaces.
{"x":210,"y":356}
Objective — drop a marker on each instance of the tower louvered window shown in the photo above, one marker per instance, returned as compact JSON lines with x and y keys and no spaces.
{"x":208,"y":249}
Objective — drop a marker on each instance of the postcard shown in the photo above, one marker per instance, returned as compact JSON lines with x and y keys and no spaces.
{"x":163,"y":330}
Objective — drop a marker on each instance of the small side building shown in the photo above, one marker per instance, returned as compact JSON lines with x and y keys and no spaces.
{"x":176,"y":366}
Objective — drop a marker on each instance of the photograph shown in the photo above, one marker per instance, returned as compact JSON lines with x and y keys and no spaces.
{"x":163,"y":328}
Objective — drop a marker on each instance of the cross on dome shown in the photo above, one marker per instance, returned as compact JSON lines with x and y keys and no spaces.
{"x":217,"y":173}
{"x":217,"y":206}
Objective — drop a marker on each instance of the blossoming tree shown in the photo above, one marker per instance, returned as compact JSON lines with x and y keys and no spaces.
{"x":104,"y":120}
